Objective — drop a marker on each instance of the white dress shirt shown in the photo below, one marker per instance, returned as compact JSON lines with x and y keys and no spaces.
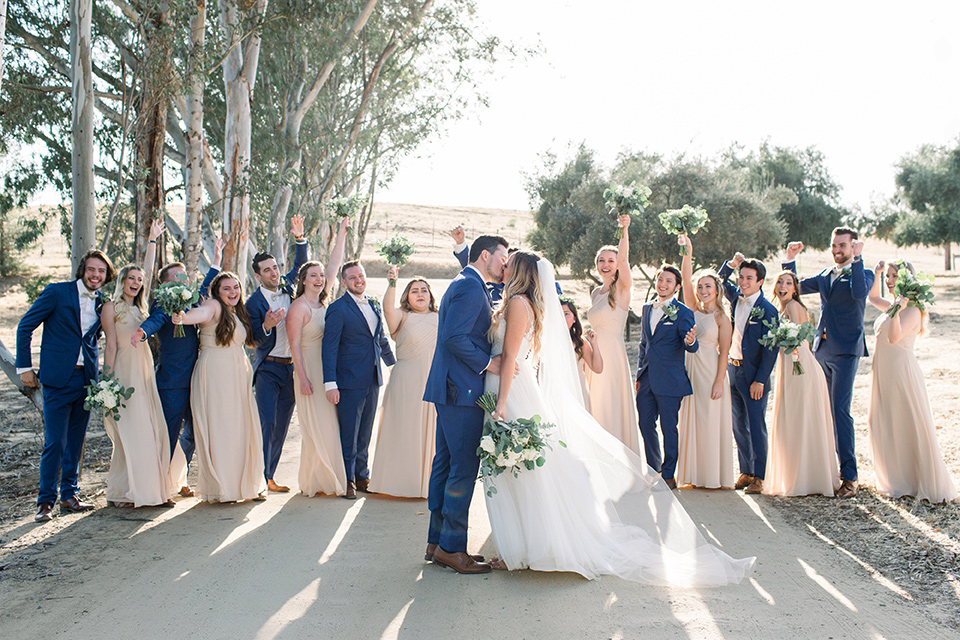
{"x":278,"y":300}
{"x":88,"y":315}
{"x":835,"y":272}
{"x":460,"y":247}
{"x":656,"y":312}
{"x":744,"y":307}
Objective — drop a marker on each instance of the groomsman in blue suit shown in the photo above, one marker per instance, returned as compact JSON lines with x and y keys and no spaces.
{"x":273,"y":362}
{"x":70,"y":315}
{"x":176,"y":358}
{"x":750,"y":367}
{"x":454,"y":385}
{"x":667,"y":332}
{"x":840,"y":340}
{"x":354,"y":344}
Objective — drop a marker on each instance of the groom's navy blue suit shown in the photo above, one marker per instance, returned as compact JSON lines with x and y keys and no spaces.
{"x":64,"y":418}
{"x":454,"y":385}
{"x":839,"y":345}
{"x":663,"y":382}
{"x":351,"y":359}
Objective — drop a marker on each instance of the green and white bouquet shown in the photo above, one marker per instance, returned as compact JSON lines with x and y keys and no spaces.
{"x":107,"y":394}
{"x":176,"y":297}
{"x":341,"y":207}
{"x":396,"y":252}
{"x":631,"y":200}
{"x":510,"y":445}
{"x":687,"y":221}
{"x":918,"y":289}
{"x":788,"y":336}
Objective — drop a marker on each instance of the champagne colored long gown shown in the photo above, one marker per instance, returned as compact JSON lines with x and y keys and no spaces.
{"x":906,"y":456}
{"x":321,"y":457}
{"x":406,"y":441}
{"x":612,"y":400}
{"x":140,"y":463}
{"x":706,"y":425}
{"x":226,"y":424}
{"x":802,"y":459}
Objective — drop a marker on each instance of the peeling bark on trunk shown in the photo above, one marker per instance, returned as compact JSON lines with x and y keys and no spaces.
{"x":84,"y":206}
{"x":193,"y":174}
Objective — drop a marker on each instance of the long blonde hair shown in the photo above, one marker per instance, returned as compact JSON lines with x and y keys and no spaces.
{"x":139,"y":300}
{"x":612,"y":297}
{"x":718,"y":284}
{"x":524,"y":281}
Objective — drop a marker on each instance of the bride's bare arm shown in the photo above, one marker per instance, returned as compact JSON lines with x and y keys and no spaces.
{"x":517,"y":319}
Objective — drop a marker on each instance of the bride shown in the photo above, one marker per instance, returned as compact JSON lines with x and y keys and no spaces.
{"x":594,"y":508}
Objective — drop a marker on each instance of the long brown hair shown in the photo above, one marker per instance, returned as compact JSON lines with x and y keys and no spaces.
{"x":405,"y":296}
{"x":139,"y":300}
{"x":796,"y":291}
{"x":302,"y":274}
{"x":612,"y":297}
{"x":227,"y":322}
{"x":524,"y":281}
{"x":576,"y":329}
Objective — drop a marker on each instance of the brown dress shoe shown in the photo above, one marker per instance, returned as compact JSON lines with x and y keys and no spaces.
{"x":351,"y":493}
{"x":670,"y":482}
{"x":44,"y":512}
{"x":848,"y":489}
{"x":363,"y":484}
{"x":73,"y":505}
{"x":276,"y":488}
{"x":431,"y":548}
{"x":743,"y":482}
{"x":459,"y":562}
{"x":186,"y":491}
{"x":755,"y":487}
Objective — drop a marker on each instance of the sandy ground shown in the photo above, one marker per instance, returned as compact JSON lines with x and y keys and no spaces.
{"x":294,"y":567}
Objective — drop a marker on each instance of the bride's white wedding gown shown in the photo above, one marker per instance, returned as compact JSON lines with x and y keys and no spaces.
{"x":594,"y":508}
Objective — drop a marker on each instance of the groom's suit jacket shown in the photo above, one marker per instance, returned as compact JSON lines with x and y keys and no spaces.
{"x":662,"y":352}
{"x":351,"y":355}
{"x":758,"y":360}
{"x":58,"y":310}
{"x":841,"y":307}
{"x":463,"y":351}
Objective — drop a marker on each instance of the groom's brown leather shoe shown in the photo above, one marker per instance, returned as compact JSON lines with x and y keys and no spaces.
{"x":363,"y":484}
{"x":755,"y":487}
{"x":743,"y":482}
{"x":44,"y":512}
{"x":848,"y":489}
{"x":459,"y":562}
{"x":431,"y":548}
{"x":351,"y":493}
{"x":670,"y":482}
{"x":73,"y":505}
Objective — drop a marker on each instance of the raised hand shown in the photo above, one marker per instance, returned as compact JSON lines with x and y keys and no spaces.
{"x":738,"y":259}
{"x":157,"y":227}
{"x":218,"y":245}
{"x":857,"y":247}
{"x":273,"y":318}
{"x":793,"y":250}
{"x":623,"y":221}
{"x":393,"y":272}
{"x":457,"y":234}
{"x":902,"y":302}
{"x":345,"y":224}
{"x":177,"y":318}
{"x":879,"y":268}
{"x":591,"y":336}
{"x":296,"y":227}
{"x":684,"y":241}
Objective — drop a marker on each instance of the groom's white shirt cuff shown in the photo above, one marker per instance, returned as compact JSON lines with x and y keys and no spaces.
{"x":330,"y":386}
{"x":23,"y":370}
{"x":460,"y":247}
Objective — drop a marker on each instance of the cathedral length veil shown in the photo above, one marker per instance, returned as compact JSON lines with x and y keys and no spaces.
{"x":646,"y":535}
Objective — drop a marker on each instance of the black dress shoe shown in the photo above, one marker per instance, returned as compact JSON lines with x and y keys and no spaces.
{"x":351,"y":492}
{"x":44,"y":512}
{"x":73,"y":505}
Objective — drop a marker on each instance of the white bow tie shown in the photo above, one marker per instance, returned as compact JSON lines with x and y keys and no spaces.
{"x":89,"y":294}
{"x":659,"y":304}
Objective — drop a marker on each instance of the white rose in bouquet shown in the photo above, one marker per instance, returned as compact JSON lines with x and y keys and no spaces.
{"x":530,"y":454}
{"x":186,"y":294}
{"x":488,"y":445}
{"x":110,"y":401}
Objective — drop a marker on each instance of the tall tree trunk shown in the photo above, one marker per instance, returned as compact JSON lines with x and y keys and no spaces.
{"x":82,"y":94}
{"x":194,"y":117}
{"x":3,"y":33}
{"x":241,"y":56}
{"x":947,"y":255}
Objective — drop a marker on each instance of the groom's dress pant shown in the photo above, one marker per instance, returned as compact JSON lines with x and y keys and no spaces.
{"x":749,"y":423}
{"x":276,"y":398}
{"x":65,"y":427}
{"x":840,"y":371}
{"x":650,"y":407}
{"x":179,"y":419}
{"x":355,"y":412}
{"x":454,"y":475}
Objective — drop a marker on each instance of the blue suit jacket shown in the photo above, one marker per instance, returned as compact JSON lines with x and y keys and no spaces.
{"x":758,"y":361}
{"x":58,"y":310}
{"x":257,"y":307}
{"x":841,"y":308}
{"x":351,"y":356}
{"x":175,"y":356}
{"x":662,"y":353}
{"x":463,"y":351}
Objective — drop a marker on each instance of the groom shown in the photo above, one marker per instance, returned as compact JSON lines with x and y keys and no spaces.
{"x":455,"y":383}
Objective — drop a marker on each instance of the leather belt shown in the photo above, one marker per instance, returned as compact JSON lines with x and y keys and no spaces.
{"x":279,"y":360}
{"x":736,"y":363}
{"x":79,"y":366}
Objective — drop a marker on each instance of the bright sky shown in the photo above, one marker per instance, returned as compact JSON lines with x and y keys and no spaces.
{"x":865,"y":82}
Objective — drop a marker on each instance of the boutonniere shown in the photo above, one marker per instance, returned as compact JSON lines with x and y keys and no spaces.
{"x":846,"y":271}
{"x":98,"y":303}
{"x":670,"y":311}
{"x":284,"y":283}
{"x":756,"y":312}
{"x":374,"y":302}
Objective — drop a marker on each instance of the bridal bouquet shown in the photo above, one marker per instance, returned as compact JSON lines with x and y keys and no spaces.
{"x":687,"y":221}
{"x":396,"y":252}
{"x":510,"y":445}
{"x":340,"y":208}
{"x":176,"y":297}
{"x":626,"y":200}
{"x":107,"y":394}
{"x":918,"y":289}
{"x":788,"y":336}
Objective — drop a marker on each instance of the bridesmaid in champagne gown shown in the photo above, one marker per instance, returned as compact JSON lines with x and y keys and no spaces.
{"x":406,"y":441}
{"x":802,"y":460}
{"x":140,"y":463}
{"x":612,"y":399}
{"x":587,"y":351}
{"x":321,"y":457}
{"x":706,"y":418}
{"x":906,"y":457}
{"x":226,"y":424}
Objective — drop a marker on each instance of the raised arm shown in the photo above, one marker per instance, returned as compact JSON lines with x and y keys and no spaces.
{"x":109,"y":323}
{"x":300,"y":256}
{"x":150,"y":258}
{"x":686,"y":272}
{"x":336,"y":257}
{"x":461,"y":249}
{"x":591,"y":351}
{"x":876,"y":293}
{"x":206,"y":313}
{"x":904,"y":322}
{"x":393,"y":314}
{"x":297,"y":318}
{"x":860,"y":283}
{"x":726,"y":269}
{"x":625,"y":281}
{"x":517,"y":317}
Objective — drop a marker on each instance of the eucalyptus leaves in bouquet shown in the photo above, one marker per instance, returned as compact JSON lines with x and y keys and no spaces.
{"x":788,"y":336}
{"x":396,"y":252}
{"x":176,"y":296}
{"x":629,"y":200}
{"x":108,"y":394}
{"x":685,"y":221}
{"x":344,"y":207}
{"x":917,"y":289}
